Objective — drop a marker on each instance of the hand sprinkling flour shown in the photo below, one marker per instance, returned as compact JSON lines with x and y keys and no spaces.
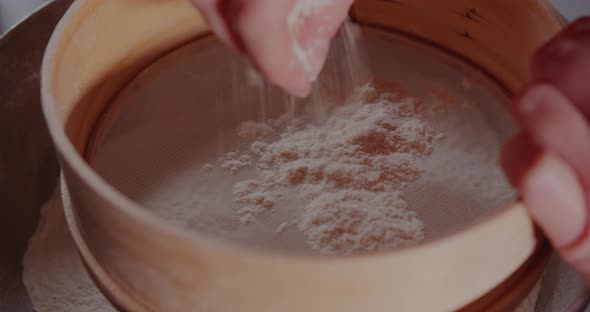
{"x":287,"y":40}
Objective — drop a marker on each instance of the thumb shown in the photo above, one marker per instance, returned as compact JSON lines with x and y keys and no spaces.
{"x":554,"y":197}
{"x":555,"y":200}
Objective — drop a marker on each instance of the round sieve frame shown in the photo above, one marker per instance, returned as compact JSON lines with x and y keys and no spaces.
{"x":135,"y":248}
{"x":182,"y":111}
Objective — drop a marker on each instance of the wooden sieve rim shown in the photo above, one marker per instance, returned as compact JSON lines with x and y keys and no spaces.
{"x":511,"y":228}
{"x":505,"y":297}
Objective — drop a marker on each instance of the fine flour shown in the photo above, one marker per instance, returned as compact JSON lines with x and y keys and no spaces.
{"x":349,"y":171}
{"x":53,"y":272}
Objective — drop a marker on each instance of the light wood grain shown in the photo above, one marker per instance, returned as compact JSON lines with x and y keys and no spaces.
{"x":499,"y":36}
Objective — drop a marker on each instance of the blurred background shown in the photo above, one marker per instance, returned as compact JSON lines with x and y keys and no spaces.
{"x":12,"y":11}
{"x":572,"y":9}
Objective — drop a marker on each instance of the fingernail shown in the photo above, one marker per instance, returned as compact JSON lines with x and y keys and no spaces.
{"x":555,"y":200}
{"x":317,"y":55}
{"x":309,"y":30}
{"x":302,"y":59}
{"x":533,"y":98}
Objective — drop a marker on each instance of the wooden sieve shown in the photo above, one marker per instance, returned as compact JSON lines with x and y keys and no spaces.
{"x":145,"y":264}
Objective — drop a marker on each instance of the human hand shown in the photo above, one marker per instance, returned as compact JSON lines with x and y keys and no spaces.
{"x":550,"y":160}
{"x":287,"y":40}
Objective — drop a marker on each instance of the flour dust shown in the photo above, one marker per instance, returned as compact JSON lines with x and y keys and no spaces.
{"x":350,"y":171}
{"x":53,"y":272}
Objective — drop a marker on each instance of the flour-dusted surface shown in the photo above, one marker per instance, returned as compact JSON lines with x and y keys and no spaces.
{"x":53,"y":272}
{"x":348,"y":171}
{"x":352,"y":221}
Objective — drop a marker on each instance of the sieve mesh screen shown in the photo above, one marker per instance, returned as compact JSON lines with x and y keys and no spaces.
{"x":162,"y":137}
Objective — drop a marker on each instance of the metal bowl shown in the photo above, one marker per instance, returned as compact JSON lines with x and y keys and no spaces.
{"x":28,"y":165}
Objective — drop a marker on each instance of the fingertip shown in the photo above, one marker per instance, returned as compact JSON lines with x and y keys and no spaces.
{"x":556,"y":125}
{"x":555,"y":200}
{"x":533,"y":99}
{"x":312,"y":25}
{"x":292,"y":78}
{"x":300,"y":90}
{"x":535,"y":103}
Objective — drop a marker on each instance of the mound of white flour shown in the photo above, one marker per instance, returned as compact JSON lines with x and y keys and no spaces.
{"x":349,"y":169}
